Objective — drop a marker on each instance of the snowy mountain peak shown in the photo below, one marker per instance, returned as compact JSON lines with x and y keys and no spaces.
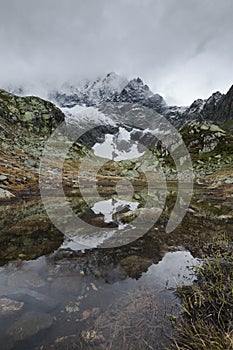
{"x":135,"y":91}
{"x":138,"y":84}
{"x":90,"y":92}
{"x":110,"y":88}
{"x":103,"y":89}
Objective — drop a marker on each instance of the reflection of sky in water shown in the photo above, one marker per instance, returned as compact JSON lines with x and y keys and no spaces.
{"x":173,"y":269}
{"x":118,"y":147}
{"x":109,"y":207}
{"x":88,"y":237}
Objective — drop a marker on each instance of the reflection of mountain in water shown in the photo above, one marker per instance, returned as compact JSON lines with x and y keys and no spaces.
{"x":119,"y":146}
{"x":112,"y":206}
{"x":26,"y":232}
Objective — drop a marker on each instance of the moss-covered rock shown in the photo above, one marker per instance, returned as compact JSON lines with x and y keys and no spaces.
{"x":36,"y":114}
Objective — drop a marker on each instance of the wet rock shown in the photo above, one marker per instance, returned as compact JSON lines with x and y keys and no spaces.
{"x":62,"y":254}
{"x":10,"y":306}
{"x":45,"y":301}
{"x":29,"y":324}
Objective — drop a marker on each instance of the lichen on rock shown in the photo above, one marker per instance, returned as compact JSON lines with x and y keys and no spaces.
{"x":36,"y":114}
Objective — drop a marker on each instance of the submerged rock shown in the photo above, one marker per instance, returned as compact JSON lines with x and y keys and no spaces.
{"x":29,"y":324}
{"x":9,"y":306}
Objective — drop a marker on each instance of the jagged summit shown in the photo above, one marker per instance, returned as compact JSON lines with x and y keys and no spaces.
{"x":89,"y":92}
{"x":135,"y":91}
{"x":110,"y":88}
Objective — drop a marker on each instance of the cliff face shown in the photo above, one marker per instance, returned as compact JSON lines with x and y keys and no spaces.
{"x":218,"y":108}
{"x":224,"y":110}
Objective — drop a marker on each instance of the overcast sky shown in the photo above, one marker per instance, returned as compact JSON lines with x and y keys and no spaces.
{"x":182,"y":49}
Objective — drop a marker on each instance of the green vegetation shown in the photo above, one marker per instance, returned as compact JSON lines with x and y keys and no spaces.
{"x":207,"y":318}
{"x":34,"y":113}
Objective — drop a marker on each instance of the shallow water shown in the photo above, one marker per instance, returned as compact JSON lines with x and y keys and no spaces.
{"x":80,"y":301}
{"x":122,"y":297}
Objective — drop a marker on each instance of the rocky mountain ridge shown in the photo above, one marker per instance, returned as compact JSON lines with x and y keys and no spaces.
{"x":112,"y":87}
{"x":218,"y":108}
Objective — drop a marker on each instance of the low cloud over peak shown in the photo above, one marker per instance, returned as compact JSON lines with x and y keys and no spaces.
{"x":181,"y":49}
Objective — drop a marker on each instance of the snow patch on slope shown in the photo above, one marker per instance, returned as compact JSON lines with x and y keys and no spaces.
{"x":83,"y":116}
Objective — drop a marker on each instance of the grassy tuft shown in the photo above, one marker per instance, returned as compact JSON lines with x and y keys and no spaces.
{"x":207,"y":318}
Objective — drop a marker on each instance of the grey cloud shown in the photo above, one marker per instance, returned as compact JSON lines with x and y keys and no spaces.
{"x":181,"y":48}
